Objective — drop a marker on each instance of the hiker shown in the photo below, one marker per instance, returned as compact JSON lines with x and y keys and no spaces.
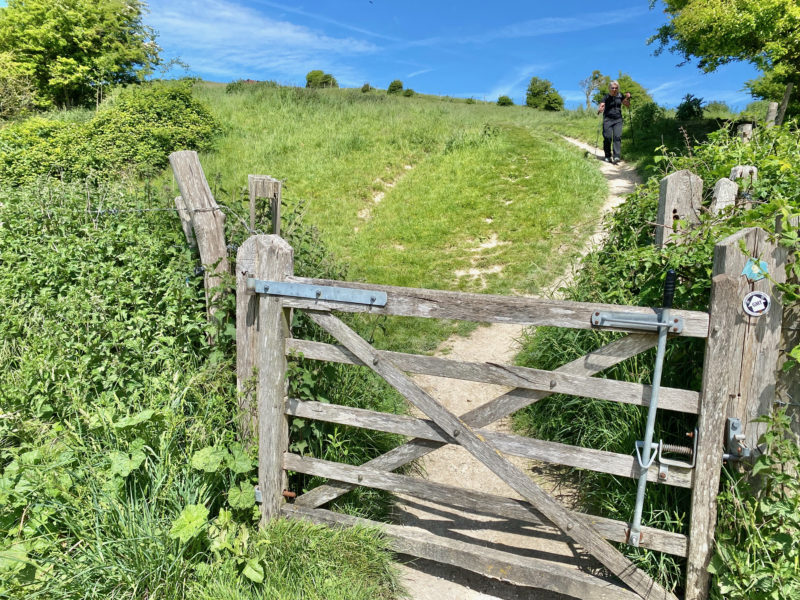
{"x":611,"y":107}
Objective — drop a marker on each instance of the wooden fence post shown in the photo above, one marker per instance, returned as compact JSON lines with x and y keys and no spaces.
{"x":680,"y":197}
{"x":270,"y":327}
{"x":738,"y":381}
{"x":264,"y":186}
{"x":725,"y":192}
{"x":208,"y":220}
{"x":772,"y":114}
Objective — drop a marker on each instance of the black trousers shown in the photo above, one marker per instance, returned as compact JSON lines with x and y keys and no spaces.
{"x":612,"y":130}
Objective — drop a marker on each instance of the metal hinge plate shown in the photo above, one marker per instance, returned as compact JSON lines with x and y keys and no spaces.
{"x":636,"y":321}
{"x":317,"y":292}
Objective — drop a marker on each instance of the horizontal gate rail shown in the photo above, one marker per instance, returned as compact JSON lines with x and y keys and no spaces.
{"x":487,"y":308}
{"x":520,"y":377}
{"x":654,"y":539}
{"x":481,"y":416}
{"x":509,"y":567}
{"x":600,"y":461}
{"x":583,"y":534}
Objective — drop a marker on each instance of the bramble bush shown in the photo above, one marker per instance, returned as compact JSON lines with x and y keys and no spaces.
{"x":132,"y":133}
{"x":630,"y":270}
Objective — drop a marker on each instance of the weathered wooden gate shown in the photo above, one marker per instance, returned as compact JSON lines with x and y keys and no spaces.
{"x":267,"y":291}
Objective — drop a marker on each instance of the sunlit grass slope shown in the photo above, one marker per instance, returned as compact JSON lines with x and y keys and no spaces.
{"x":420,"y":191}
{"x":407,"y":189}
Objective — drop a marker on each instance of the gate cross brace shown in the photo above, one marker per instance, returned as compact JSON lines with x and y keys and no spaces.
{"x":475,"y":444}
{"x":488,"y":413}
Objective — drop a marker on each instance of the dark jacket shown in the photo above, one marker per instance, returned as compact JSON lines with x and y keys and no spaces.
{"x":613,"y":110}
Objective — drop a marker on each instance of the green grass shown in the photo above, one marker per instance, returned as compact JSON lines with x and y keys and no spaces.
{"x":406,"y":190}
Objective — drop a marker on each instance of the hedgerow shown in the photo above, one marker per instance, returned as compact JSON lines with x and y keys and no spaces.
{"x":630,"y":270}
{"x":132,"y":133}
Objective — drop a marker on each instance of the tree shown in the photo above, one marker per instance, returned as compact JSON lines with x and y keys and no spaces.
{"x":690,"y":108}
{"x":320,"y":79}
{"x":590,"y":85}
{"x":395,"y":87}
{"x":638,"y":93}
{"x":542,"y":95}
{"x":505,"y":101}
{"x":763,"y":32}
{"x":772,"y":88}
{"x":72,"y":50}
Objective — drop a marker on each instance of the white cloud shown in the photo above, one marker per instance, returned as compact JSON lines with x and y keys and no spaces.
{"x":420,"y":72}
{"x":231,"y":40}
{"x":514,"y":83}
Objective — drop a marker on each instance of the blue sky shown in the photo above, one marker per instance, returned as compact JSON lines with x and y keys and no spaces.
{"x":466,"y":48}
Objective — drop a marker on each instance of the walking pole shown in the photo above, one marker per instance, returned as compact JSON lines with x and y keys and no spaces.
{"x":647,"y":454}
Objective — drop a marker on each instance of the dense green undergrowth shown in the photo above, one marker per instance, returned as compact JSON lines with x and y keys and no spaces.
{"x":121,"y":473}
{"x":630,"y":270}
{"x":132,"y":133}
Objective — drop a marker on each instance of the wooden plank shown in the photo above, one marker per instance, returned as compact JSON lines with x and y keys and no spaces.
{"x":601,"y":461}
{"x":275,"y":259}
{"x":208,"y":221}
{"x":264,"y":186}
{"x":655,"y":539}
{"x":720,"y":360}
{"x":585,"y":535}
{"x":525,"y":571}
{"x":487,"y":308}
{"x":753,"y":380}
{"x":246,"y":335}
{"x":500,"y":407}
{"x":517,"y":377}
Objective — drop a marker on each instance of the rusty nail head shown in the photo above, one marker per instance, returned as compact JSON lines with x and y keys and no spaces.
{"x":288,"y":494}
{"x":662,"y":475}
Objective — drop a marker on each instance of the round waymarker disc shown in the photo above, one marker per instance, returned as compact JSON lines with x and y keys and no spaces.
{"x":756,"y":304}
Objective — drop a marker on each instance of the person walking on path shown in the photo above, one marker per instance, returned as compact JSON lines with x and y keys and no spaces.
{"x":611,"y":107}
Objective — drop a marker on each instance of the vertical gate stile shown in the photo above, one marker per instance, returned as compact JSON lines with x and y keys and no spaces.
{"x":274,"y":261}
{"x":739,"y":375}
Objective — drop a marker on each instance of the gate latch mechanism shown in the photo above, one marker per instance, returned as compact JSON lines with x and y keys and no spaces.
{"x":637,"y":321}
{"x":317,"y":292}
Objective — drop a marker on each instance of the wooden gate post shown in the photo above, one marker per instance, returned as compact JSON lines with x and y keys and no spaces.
{"x":738,"y":381}
{"x":264,"y":186}
{"x":680,"y":197}
{"x":262,"y":326}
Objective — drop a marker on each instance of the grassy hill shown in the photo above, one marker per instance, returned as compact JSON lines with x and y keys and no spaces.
{"x":420,"y":191}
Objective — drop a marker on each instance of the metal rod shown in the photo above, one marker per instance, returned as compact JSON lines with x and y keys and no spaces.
{"x":646,"y":459}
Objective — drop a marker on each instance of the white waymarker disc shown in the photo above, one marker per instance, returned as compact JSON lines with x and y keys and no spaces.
{"x":756,"y":304}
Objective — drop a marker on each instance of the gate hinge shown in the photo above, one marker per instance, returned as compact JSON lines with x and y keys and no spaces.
{"x":636,"y":321}
{"x":317,"y":292}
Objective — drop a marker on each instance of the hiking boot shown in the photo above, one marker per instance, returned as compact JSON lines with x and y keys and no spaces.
{"x":616,"y":161}
{"x":607,"y":159}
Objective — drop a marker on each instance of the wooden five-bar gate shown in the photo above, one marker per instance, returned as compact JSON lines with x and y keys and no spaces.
{"x":739,"y":350}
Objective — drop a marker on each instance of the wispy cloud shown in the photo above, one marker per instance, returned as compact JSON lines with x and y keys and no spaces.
{"x":513,"y":83}
{"x":420,"y":72}
{"x":540,"y":27}
{"x":231,"y":40}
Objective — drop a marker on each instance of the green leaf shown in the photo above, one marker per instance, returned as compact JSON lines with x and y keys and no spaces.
{"x":189,"y":523}
{"x":254,"y":571}
{"x":136,"y":419}
{"x":123,"y":463}
{"x":209,"y":459}
{"x":241,"y":497}
{"x":238,"y":461}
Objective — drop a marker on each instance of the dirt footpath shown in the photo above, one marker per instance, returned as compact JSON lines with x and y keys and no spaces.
{"x":427,"y":580}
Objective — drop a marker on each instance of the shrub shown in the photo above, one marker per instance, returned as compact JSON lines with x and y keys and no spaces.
{"x":647,"y":115}
{"x":717,"y":109}
{"x":505,"y":101}
{"x":320,"y":79}
{"x":395,"y":87}
{"x":132,"y":133}
{"x":542,"y":95}
{"x":408,"y":92}
{"x":247,"y":85}
{"x":690,"y":108}
{"x":16,"y":93}
{"x":470,"y":101}
{"x":366,"y":88}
